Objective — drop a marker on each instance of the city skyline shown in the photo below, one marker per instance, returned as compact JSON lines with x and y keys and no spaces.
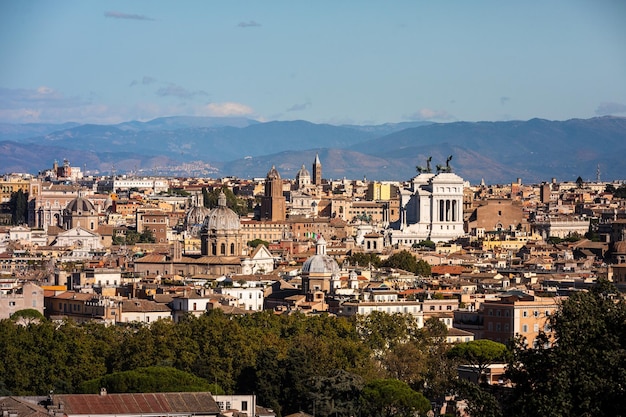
{"x":348,"y":63}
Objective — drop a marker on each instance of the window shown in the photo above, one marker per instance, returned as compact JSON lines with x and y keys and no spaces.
{"x":525,"y":328}
{"x":525,"y":314}
{"x":244,"y":406}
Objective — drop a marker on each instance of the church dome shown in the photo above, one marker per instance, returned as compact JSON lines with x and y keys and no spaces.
{"x":273,"y":174}
{"x":619,"y":248}
{"x":194,"y":219}
{"x":221,"y":217}
{"x":80,"y":205}
{"x":303,"y":173}
{"x":320,"y":263}
{"x":196,"y":215}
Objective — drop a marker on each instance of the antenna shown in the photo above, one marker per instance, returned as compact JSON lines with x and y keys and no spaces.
{"x":598,"y":173}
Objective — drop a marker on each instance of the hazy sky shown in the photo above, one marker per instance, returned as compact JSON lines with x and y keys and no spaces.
{"x":333,"y":61}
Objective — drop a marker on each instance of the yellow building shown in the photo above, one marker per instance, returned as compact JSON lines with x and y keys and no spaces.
{"x":12,"y":185}
{"x":510,"y":242}
{"x":377,"y":191}
{"x":517,"y":314}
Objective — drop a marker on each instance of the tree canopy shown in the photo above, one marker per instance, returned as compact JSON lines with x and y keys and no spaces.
{"x":238,"y":205}
{"x":391,"y":398}
{"x":582,"y":370}
{"x":480,"y":353}
{"x":363,"y":259}
{"x":18,"y":204}
{"x":150,"y":379}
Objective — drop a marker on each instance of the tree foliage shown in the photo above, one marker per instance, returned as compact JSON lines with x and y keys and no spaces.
{"x":256,"y":242}
{"x":582,"y":370}
{"x":292,"y":362}
{"x":390,"y":398}
{"x":402,"y":260}
{"x":238,"y":205}
{"x":480,"y":353}
{"x":18,"y":204}
{"x":150,"y":379}
{"x":28,"y":315}
{"x":363,"y":259}
{"x":480,"y":402}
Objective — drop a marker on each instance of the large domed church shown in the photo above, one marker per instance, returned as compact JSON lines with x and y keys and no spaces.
{"x":220,"y":234}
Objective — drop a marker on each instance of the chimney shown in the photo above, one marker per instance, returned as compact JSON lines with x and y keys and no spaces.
{"x":103,"y":391}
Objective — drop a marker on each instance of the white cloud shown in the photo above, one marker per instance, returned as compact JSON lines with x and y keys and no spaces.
{"x":227,"y":109}
{"x":46,"y":105}
{"x":607,"y":108}
{"x":426,"y":114}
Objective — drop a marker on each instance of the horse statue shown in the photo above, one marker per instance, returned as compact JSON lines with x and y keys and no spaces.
{"x":421,"y":169}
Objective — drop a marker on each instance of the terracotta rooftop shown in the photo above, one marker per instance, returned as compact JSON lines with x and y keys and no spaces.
{"x":147,"y":403}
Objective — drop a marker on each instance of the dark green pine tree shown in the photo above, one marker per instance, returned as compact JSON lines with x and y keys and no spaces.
{"x":19,"y":207}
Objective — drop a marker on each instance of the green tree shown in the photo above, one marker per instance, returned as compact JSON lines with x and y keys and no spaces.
{"x":239,"y":206}
{"x":580,"y":182}
{"x":441,"y":370}
{"x":425,"y":244}
{"x":582,"y":371}
{"x":390,"y":398}
{"x":381,"y":331}
{"x":402,"y":260}
{"x":363,"y":259}
{"x":29,"y":315}
{"x":18,"y":204}
{"x":150,"y":379}
{"x":620,"y":192}
{"x":146,"y":236}
{"x":480,"y":354}
{"x":336,"y":394}
{"x":423,"y":268}
{"x":256,"y":242}
{"x":480,"y":402}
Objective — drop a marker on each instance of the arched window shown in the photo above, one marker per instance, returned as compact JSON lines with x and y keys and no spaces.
{"x":232,"y":248}
{"x":223,"y":249}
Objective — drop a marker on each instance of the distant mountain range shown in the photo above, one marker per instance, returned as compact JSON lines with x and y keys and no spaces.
{"x":498,"y":152}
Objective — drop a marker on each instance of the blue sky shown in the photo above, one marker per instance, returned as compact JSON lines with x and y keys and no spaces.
{"x":360,"y":62}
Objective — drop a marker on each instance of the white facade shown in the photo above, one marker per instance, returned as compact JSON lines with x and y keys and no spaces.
{"x":431,"y":208}
{"x":157,"y":184}
{"x":247,"y":298}
{"x":261,"y":262}
{"x":413,"y":308}
{"x":79,"y":238}
{"x":242,"y":403}
{"x":196,"y":303}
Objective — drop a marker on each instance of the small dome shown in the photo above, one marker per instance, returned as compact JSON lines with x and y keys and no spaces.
{"x":303,"y":172}
{"x":196,"y":215}
{"x":273,"y":174}
{"x":619,"y":248}
{"x":80,"y":205}
{"x":320,"y":263}
{"x":221,"y":217}
{"x":195,"y":219}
